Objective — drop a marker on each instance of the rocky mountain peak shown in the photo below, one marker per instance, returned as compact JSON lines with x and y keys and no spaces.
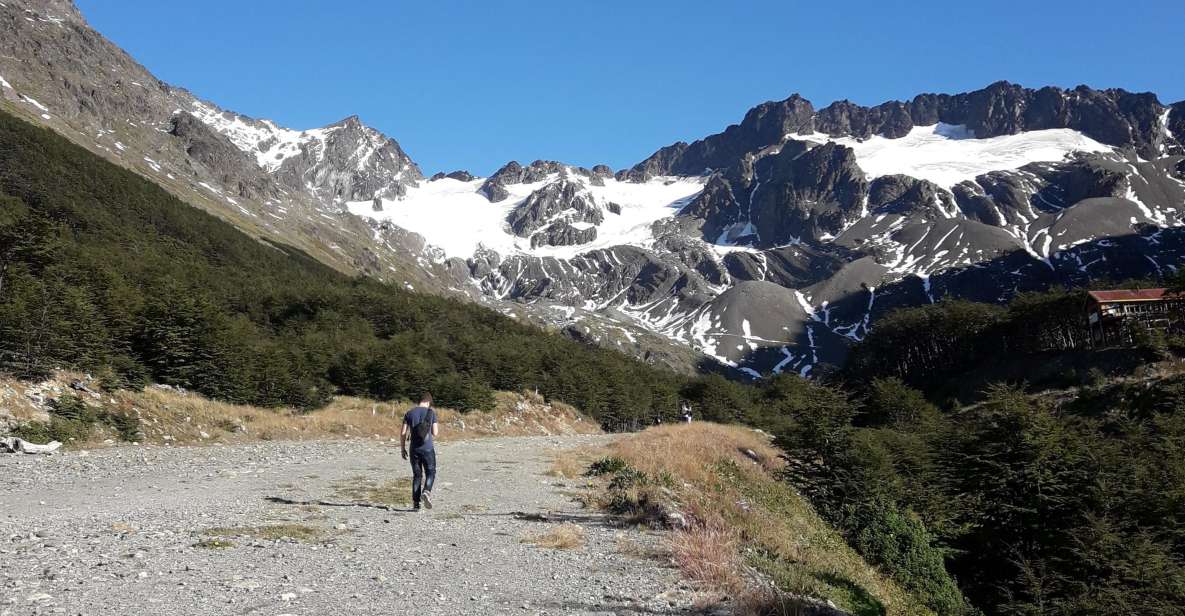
{"x":350,"y":121}
{"x":1114,"y":117}
{"x":764,"y":125}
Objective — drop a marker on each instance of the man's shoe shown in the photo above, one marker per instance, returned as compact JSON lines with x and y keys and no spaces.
{"x":428,"y":499}
{"x":416,"y":507}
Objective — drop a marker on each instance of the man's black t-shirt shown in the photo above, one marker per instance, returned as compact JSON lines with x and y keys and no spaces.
{"x":419,"y":423}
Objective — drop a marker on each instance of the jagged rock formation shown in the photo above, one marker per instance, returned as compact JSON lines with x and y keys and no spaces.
{"x":561,"y":201}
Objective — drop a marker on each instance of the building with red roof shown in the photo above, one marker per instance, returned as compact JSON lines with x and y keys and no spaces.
{"x":1115,"y":315}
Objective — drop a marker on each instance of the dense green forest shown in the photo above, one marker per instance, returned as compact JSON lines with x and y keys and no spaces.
{"x":976,"y":496}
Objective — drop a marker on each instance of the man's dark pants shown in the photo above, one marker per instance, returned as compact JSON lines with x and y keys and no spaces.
{"x":423,"y":472}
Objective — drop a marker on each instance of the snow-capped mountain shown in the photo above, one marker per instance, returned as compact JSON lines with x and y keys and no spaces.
{"x":282,"y":184}
{"x":768,"y":247}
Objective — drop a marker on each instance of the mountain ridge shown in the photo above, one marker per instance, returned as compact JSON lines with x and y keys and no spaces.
{"x":997,"y":109}
{"x":831,"y":204}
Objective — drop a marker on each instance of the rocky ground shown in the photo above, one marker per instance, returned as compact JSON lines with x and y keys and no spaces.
{"x":278,"y":528}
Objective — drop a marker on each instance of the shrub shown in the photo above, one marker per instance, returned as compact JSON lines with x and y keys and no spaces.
{"x":72,"y":419}
{"x":127,"y":426}
{"x":56,"y":429}
{"x":898,"y":542}
{"x":73,"y":408}
{"x":606,"y":466}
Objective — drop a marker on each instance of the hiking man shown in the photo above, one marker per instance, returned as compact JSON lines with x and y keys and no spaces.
{"x":420,"y":424}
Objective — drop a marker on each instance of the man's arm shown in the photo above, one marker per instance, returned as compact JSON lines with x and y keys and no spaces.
{"x":403,"y":441}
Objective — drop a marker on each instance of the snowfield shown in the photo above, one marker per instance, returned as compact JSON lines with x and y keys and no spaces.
{"x":454,"y":217}
{"x":947,"y":154}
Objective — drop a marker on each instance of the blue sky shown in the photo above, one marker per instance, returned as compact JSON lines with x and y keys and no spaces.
{"x":471,"y":85}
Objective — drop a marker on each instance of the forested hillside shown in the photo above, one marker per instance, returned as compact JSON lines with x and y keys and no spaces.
{"x":972,"y":495}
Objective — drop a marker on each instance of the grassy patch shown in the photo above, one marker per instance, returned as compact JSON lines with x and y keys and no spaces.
{"x":396,"y":493}
{"x":566,"y":536}
{"x":297,"y":532}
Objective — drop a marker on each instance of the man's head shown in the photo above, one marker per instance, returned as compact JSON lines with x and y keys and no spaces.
{"x":426,"y":399}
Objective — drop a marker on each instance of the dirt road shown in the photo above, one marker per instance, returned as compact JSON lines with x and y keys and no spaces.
{"x":313,"y":528}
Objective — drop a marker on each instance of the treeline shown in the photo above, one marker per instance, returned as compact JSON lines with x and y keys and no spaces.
{"x":928,"y":343}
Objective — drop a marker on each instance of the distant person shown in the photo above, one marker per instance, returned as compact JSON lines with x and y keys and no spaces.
{"x":420,"y":424}
{"x":686,"y":413}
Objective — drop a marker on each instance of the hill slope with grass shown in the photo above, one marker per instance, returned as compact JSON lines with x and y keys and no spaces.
{"x":739,"y":530}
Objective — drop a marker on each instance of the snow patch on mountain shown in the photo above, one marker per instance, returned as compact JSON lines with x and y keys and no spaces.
{"x":455,"y":217}
{"x":4,"y":83}
{"x":947,"y":154}
{"x":270,"y":144}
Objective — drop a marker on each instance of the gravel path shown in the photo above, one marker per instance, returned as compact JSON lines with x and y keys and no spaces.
{"x":119,"y":531}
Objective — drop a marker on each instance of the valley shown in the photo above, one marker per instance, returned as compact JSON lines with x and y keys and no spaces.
{"x":905,"y":358}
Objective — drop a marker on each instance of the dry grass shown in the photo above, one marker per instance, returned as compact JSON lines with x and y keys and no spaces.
{"x":185,"y":417}
{"x":565,"y":536}
{"x":170,"y":416}
{"x":743,"y":519}
{"x":573,"y":463}
{"x":709,"y":552}
{"x":688,"y":450}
